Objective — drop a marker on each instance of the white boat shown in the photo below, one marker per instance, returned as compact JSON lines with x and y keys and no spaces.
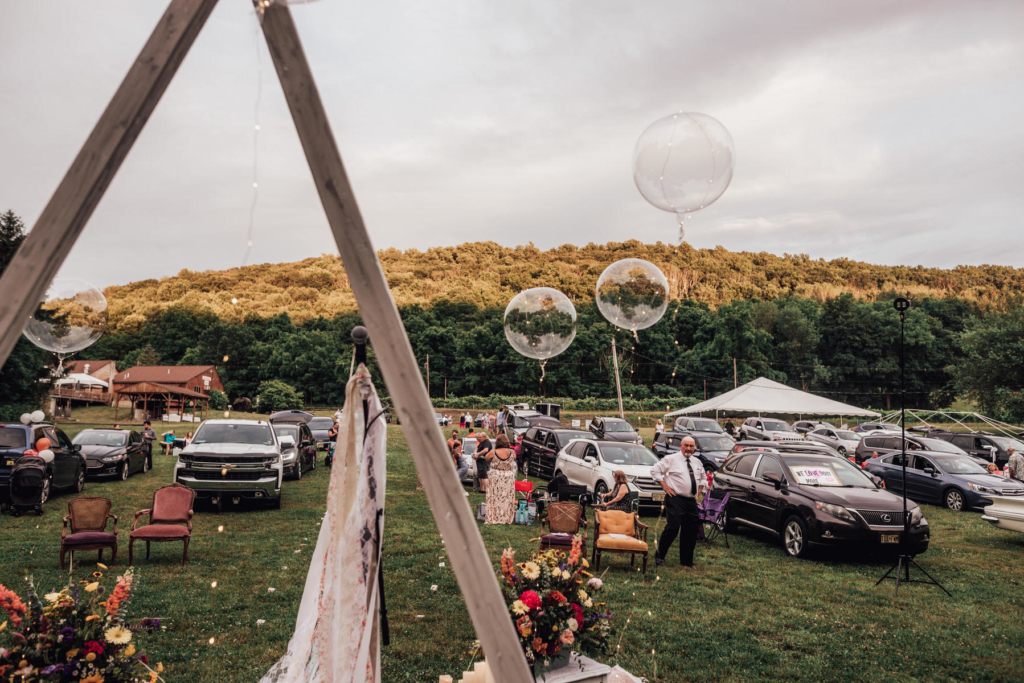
{"x":1005,"y":512}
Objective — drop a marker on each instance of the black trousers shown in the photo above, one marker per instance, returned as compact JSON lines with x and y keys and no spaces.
{"x":683,"y":520}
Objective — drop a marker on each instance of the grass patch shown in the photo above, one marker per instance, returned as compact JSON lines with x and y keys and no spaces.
{"x":750,"y":614}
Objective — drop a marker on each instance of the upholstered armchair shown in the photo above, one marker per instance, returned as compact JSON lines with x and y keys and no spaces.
{"x":170,"y":519}
{"x":563,"y":521}
{"x":619,"y":532}
{"x":87,"y":518}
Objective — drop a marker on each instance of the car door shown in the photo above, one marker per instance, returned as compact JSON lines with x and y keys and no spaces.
{"x":892,"y":471}
{"x":589,"y":466}
{"x":738,"y":480}
{"x":133,"y":453}
{"x":922,"y":486}
{"x":569,"y":460}
{"x":765,"y":499}
{"x":63,"y":465}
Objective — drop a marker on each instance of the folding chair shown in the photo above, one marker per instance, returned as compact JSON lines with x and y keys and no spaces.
{"x":526,"y":488}
{"x":711,"y":510}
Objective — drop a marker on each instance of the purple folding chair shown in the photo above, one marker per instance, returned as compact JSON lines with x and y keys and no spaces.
{"x":712,"y":517}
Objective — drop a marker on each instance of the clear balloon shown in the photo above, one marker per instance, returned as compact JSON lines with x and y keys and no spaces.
{"x":632,"y":294}
{"x":71,"y":317}
{"x":540,"y":322}
{"x":683,"y":163}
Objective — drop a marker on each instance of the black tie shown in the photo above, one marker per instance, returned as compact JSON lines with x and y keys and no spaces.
{"x":689,"y":470}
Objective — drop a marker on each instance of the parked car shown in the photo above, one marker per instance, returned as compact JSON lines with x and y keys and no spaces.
{"x":65,"y":470}
{"x":320,"y":427}
{"x":954,"y":481}
{"x":113,"y":452}
{"x":521,"y":417}
{"x":843,"y":441}
{"x":815,"y":500}
{"x":469,"y":444}
{"x":891,"y":443}
{"x":982,"y":447}
{"x":614,"y":429}
{"x":541,"y":446}
{"x":233,"y":459}
{"x":767,"y":429}
{"x":697,"y":424}
{"x":712,"y":448}
{"x":805,"y":426}
{"x":593,"y":463}
{"x":298,"y":447}
{"x":480,"y":421}
{"x":866,"y":427}
{"x":795,"y":447}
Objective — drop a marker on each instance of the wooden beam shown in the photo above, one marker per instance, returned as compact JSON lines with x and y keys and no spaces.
{"x":35,"y":264}
{"x":454,"y":518}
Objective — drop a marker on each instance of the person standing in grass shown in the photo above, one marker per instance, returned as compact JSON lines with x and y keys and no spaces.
{"x":501,"y":478}
{"x":681,"y":475}
{"x":483,"y":447}
{"x":148,"y":437}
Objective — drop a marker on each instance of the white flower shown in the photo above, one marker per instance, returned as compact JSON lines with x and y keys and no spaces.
{"x":520,"y":608}
{"x":595,"y":583}
{"x":52,"y":597}
{"x":531,"y":570}
{"x":118,"y":635}
{"x":271,"y":590}
{"x":260,"y":622}
{"x":583,"y":595}
{"x":573,"y":624}
{"x":588,"y":603}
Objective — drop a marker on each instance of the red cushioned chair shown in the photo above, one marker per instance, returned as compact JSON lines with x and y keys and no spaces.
{"x":88,"y":518}
{"x":170,"y":519}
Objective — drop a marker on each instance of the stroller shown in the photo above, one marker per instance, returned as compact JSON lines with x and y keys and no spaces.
{"x":712,"y":511}
{"x":28,"y":478}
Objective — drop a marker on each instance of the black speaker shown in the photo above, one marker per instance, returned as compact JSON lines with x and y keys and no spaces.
{"x":550,"y":409}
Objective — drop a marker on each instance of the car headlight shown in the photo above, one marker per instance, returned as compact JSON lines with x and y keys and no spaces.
{"x":288,"y":456}
{"x":719,"y":459}
{"x":981,"y":489}
{"x":112,"y":458}
{"x":836,"y":511}
{"x":916,"y":516}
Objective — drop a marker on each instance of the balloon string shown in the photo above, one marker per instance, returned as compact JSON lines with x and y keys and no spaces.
{"x":682,"y":231}
{"x":542,"y":364}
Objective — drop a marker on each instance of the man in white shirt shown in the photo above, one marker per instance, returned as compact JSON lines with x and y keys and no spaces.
{"x":682,"y":477}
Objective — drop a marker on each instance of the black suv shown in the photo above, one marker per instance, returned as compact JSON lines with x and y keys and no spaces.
{"x":884,"y":443}
{"x":614,"y":429}
{"x":982,"y":447}
{"x":713,"y":449}
{"x":65,"y":471}
{"x":541,"y":446}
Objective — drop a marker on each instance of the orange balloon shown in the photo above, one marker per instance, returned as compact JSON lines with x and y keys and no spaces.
{"x":42,"y":444}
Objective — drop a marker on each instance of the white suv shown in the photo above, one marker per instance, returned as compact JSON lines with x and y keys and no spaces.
{"x":233,"y":459}
{"x":593,"y":463}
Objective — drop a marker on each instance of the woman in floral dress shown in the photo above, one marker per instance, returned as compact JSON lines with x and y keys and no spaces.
{"x":501,"y":477}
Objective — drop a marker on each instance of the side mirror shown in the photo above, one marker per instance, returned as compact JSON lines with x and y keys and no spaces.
{"x":929,"y":470}
{"x":879,"y":482}
{"x":287,"y":442}
{"x":590,"y":460}
{"x":774,"y":478}
{"x":77,"y":448}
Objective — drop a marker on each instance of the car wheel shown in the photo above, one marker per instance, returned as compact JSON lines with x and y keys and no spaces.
{"x":794,"y":537}
{"x":298,"y":470}
{"x":599,"y":490}
{"x":842,"y":451}
{"x":312,"y":467}
{"x":146,"y":464}
{"x":80,"y":480}
{"x":122,"y":474}
{"x":954,"y":500}
{"x":276,"y":503}
{"x":47,"y":485}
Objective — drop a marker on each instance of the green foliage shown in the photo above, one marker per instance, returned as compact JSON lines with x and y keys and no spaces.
{"x":496,"y":401}
{"x":275,"y":395}
{"x":12,"y":233}
{"x":218,"y":400}
{"x":148,"y":356}
{"x":990,"y":368}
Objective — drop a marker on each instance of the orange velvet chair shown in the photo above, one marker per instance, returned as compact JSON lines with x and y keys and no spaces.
{"x":616,"y":531}
{"x":170,"y":519}
{"x":88,"y":519}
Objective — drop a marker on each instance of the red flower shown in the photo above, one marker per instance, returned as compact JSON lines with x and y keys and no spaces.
{"x":556,"y":597}
{"x":93,"y":647}
{"x":578,"y":612}
{"x":530,"y":599}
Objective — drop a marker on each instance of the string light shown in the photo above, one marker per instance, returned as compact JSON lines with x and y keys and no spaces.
{"x":261,"y":7}
{"x":220,"y":529}
{"x":213,"y":584}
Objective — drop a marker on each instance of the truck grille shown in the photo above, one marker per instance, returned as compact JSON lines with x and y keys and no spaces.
{"x":646,"y":484}
{"x":230,"y":475}
{"x":877,"y":517}
{"x":230,"y":459}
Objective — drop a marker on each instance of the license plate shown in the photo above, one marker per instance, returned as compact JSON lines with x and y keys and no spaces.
{"x":658,"y":497}
{"x":889,"y":538}
{"x":10,"y":463}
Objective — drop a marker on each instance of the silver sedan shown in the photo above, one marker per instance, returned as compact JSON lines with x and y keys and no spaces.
{"x":842,"y":440}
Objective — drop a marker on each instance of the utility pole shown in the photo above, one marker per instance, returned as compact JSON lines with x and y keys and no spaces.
{"x":446,"y":388}
{"x":618,"y":387}
{"x":735,"y":376}
{"x":705,"y":390}
{"x":428,"y":374}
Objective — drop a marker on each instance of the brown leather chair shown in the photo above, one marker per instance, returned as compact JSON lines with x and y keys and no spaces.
{"x":564,"y":520}
{"x":170,"y":519}
{"x":616,"y":531}
{"x":88,"y":518}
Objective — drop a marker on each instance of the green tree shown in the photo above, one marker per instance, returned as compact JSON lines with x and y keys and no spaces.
{"x":990,"y":367}
{"x":12,"y":233}
{"x":218,"y":400}
{"x":148,"y":356}
{"x":275,"y":395}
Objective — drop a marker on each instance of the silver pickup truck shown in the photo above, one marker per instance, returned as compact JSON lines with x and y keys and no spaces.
{"x":232,"y":460}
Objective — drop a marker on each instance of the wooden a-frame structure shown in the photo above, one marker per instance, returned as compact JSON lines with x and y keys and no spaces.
{"x":34,"y":266}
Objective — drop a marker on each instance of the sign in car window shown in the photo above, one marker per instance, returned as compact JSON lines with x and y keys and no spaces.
{"x":575,"y":423}
{"x":815,"y":476}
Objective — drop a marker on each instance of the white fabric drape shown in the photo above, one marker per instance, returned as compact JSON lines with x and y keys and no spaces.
{"x":336,"y":637}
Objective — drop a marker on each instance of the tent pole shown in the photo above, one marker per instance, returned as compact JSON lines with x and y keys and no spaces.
{"x":618,"y":387}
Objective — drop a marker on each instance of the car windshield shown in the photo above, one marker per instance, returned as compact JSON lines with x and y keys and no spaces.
{"x":94,"y":438}
{"x":469,"y":446}
{"x":1005,"y":443}
{"x":959,"y":465}
{"x":826,"y":471}
{"x":255,"y":434}
{"x":287,"y":430}
{"x":777,"y":426}
{"x":617,"y":426}
{"x":566,"y":437}
{"x":12,"y":437}
{"x":849,"y":436}
{"x":627,"y":455}
{"x":320,"y":423}
{"x":940,"y":446}
{"x":715,"y":443}
{"x":707,"y":426}
{"x":437,"y":416}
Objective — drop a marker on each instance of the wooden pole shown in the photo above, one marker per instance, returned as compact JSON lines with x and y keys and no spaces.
{"x":618,"y":387}
{"x":428,"y":374}
{"x":735,"y":375}
{"x":473,"y":568}
{"x":40,"y":256}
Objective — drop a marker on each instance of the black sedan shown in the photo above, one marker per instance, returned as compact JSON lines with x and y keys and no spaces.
{"x":955,"y":481}
{"x":816,"y":500}
{"x":113,"y":452}
{"x":614,"y":429}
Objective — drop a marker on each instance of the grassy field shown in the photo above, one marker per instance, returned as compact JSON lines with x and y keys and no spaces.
{"x":750,"y":614}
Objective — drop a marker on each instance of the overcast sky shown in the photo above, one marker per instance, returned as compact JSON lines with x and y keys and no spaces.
{"x":883,"y":131}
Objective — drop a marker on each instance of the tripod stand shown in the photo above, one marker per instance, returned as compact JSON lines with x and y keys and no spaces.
{"x":900,"y":571}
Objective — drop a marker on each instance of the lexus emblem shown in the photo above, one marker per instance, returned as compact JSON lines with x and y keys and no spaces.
{"x":886,"y":518}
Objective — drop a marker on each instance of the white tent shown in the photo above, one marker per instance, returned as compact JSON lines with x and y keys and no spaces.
{"x":81,"y":379}
{"x":763,"y":397}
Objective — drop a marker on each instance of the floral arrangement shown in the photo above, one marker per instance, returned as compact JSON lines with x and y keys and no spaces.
{"x":551,"y":599}
{"x":74,"y":635}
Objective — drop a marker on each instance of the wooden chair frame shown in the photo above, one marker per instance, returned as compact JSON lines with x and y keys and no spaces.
{"x":581,"y":529}
{"x":639,"y":533}
{"x":149,"y":511}
{"x":62,"y":221}
{"x":89,"y":546}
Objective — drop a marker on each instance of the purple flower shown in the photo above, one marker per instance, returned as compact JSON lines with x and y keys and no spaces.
{"x":66,"y":634}
{"x":53,"y":669}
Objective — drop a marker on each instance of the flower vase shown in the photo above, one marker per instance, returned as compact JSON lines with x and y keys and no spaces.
{"x":560,"y":661}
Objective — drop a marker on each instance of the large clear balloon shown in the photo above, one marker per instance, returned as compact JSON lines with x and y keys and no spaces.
{"x":540,"y":323}
{"x":632,"y":294}
{"x":683,"y":163}
{"x":71,"y":317}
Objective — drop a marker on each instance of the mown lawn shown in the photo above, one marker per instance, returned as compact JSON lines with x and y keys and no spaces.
{"x":750,"y":613}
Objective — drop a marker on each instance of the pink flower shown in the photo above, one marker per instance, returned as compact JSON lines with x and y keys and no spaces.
{"x":530,"y":599}
{"x":567,"y":637}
